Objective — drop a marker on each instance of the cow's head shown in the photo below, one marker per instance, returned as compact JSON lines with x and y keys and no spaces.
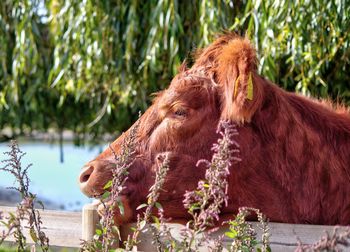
{"x":182,"y":121}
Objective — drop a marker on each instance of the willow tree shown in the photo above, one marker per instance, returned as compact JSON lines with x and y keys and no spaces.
{"x":90,"y":66}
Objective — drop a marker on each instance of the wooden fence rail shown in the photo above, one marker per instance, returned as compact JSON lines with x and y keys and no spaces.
{"x":62,"y":228}
{"x":67,"y":229}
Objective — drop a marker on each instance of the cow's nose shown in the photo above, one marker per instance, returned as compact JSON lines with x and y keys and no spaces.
{"x":93,"y":177}
{"x":84,"y":178}
{"x":85,"y":174}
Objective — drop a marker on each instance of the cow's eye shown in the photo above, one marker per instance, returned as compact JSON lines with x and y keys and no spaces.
{"x":180,"y":112}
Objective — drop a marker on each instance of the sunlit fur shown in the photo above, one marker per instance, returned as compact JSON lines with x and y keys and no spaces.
{"x":295,"y":151}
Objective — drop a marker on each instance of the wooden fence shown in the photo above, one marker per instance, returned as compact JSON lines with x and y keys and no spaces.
{"x":67,"y":229}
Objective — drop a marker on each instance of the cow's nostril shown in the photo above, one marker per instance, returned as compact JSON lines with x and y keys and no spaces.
{"x":84,"y":178}
{"x":85,"y":174}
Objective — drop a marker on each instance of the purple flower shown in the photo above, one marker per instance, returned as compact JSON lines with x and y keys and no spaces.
{"x":205,"y":202}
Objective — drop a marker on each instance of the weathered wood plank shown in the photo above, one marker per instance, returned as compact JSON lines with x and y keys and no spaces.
{"x":62,"y":228}
{"x":66,"y":229}
{"x":284,"y":237}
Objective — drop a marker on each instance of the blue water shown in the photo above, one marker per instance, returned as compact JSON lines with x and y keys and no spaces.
{"x":51,"y":179}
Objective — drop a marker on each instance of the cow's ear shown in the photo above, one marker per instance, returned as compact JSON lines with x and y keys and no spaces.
{"x":236,"y":75}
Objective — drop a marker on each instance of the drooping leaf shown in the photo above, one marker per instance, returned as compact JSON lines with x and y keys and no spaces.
{"x":121,"y":207}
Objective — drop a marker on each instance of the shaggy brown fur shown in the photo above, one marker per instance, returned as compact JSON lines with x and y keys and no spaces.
{"x":295,"y":151}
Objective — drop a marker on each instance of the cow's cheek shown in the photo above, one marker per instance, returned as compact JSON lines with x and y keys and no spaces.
{"x":161,"y":138}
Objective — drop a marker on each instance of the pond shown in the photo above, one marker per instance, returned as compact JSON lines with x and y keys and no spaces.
{"x":54,"y":182}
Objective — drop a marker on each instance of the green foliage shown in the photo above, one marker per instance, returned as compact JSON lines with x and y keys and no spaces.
{"x":7,"y":249}
{"x":303,"y":45}
{"x":89,"y":66}
{"x":244,"y":236}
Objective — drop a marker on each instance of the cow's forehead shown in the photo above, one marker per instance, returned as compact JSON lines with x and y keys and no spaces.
{"x":192,"y":78}
{"x":187,"y":82}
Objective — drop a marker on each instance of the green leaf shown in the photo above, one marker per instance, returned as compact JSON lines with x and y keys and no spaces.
{"x":156,"y":221}
{"x":142,"y":224}
{"x":98,"y":245}
{"x":245,"y":249}
{"x":159,"y":206}
{"x":108,"y":185}
{"x":105,"y":195}
{"x":98,"y":232}
{"x":33,"y":235}
{"x":121,"y":207}
{"x":41,"y":204}
{"x":116,"y":230}
{"x":232,"y":234}
{"x":254,"y":242}
{"x":141,"y":206}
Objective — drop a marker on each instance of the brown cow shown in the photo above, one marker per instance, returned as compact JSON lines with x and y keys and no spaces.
{"x":295,"y":151}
